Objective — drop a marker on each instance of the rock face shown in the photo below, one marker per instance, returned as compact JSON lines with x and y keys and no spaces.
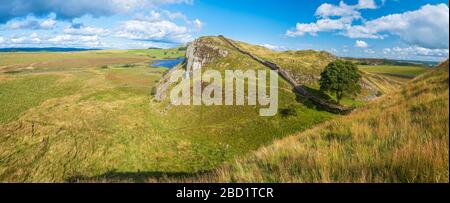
{"x":199,"y":53}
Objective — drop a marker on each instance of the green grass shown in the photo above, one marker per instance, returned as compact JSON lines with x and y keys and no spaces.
{"x":108,"y":125}
{"x":401,"y":73}
{"x":69,"y":118}
{"x":158,"y":53}
{"x":399,"y":138}
{"x":21,"y":94}
{"x":305,"y":67}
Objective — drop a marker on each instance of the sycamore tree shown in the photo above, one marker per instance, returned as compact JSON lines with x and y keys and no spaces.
{"x":341,"y":78}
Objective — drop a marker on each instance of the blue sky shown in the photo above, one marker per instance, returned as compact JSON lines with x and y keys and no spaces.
{"x":401,"y":29}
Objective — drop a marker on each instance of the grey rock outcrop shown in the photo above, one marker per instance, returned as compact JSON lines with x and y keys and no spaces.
{"x":200,"y":53}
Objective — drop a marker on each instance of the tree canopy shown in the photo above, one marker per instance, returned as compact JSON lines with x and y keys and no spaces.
{"x":341,"y":78}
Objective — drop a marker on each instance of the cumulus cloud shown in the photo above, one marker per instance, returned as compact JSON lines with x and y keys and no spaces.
{"x":2,"y":40}
{"x":158,"y":28}
{"x":322,"y":25}
{"x":426,"y":27}
{"x":332,"y":17}
{"x":154,"y":31}
{"x":361,"y":44}
{"x":416,"y":51}
{"x":328,"y":10}
{"x":29,"y":39}
{"x":366,"y":4}
{"x":274,"y":47}
{"x":175,"y":15}
{"x":197,"y":23}
{"x":80,"y":29}
{"x":64,"y":40}
{"x":70,"y":9}
{"x":73,"y":40}
{"x":32,"y":23}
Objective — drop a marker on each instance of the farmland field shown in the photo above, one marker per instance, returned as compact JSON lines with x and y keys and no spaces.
{"x":400,"y":73}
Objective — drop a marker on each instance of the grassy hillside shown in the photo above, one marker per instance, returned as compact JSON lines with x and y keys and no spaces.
{"x":305,"y":67}
{"x":79,"y":116}
{"x":401,"y":137}
{"x":88,"y":116}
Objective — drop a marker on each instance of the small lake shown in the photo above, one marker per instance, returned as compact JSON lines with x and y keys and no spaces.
{"x":167,"y":63}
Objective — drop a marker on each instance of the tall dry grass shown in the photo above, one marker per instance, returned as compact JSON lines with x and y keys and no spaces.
{"x":400,"y":137}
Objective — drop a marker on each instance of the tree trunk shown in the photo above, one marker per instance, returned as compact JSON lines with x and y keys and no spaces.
{"x":339,"y":95}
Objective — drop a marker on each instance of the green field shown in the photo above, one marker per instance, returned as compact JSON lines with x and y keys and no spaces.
{"x":159,"y":53}
{"x":86,"y":115}
{"x":400,"y":73}
{"x":92,"y":116}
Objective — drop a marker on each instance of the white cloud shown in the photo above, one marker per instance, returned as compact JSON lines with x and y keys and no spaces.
{"x":157,"y":28}
{"x":175,"y":15}
{"x":327,"y":22}
{"x":416,"y":51}
{"x":32,"y":23}
{"x":33,"y":38}
{"x":328,"y":10}
{"x":18,"y":40}
{"x":70,"y":9}
{"x":151,"y":17}
{"x":48,"y":24}
{"x":36,"y":40}
{"x":426,"y":27}
{"x":2,"y":39}
{"x":85,"y":30}
{"x":89,"y":38}
{"x":361,"y":44}
{"x":154,"y":31}
{"x":274,"y":47}
{"x":61,"y":38}
{"x":322,"y":25}
{"x":197,"y":24}
{"x":367,"y":4}
{"x":74,"y":40}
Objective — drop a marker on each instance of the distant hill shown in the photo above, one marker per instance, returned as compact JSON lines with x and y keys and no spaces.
{"x":44,"y":49}
{"x":376,"y":61}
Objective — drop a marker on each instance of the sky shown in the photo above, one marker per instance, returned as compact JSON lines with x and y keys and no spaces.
{"x":396,"y":29}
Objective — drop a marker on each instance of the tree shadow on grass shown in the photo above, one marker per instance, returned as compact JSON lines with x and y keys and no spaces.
{"x":314,"y":92}
{"x":137,"y":177}
{"x":317,"y":100}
